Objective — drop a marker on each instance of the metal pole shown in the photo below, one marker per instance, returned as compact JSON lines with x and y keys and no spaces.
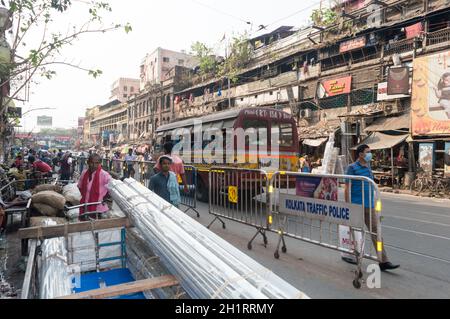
{"x":392,"y":166}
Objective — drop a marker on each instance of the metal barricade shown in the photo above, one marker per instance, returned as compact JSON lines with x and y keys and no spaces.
{"x":240,"y":195}
{"x":313,"y":208}
{"x":189,"y":198}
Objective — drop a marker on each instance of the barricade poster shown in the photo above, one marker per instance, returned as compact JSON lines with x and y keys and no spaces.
{"x":430,"y":105}
{"x":317,"y":187}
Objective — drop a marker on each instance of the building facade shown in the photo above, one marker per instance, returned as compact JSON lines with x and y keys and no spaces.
{"x":123,"y":88}
{"x":156,"y":66}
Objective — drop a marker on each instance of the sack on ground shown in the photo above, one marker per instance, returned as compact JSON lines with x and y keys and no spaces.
{"x":47,"y":187}
{"x":49,"y":198}
{"x":72,"y":194}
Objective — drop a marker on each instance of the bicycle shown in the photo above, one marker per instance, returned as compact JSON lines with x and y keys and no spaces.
{"x":426,"y":181}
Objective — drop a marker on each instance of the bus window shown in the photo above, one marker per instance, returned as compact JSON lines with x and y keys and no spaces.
{"x":285,"y":134}
{"x":261,"y":129}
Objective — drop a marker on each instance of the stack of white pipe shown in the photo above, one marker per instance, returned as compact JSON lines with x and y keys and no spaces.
{"x":54,"y":276}
{"x":206,"y":265}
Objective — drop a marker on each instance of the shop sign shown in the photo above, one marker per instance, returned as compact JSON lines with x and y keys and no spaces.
{"x":352,"y":44}
{"x":335,"y":87}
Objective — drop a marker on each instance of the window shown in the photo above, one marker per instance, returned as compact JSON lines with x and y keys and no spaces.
{"x":261,"y":129}
{"x":181,"y":62}
{"x":132,"y":89}
{"x":125,"y":96}
{"x":284,"y":132}
{"x":125,"y":88}
{"x":166,"y":60}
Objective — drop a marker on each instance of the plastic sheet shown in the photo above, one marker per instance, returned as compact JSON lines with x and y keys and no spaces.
{"x":206,"y":265}
{"x":82,"y":249}
{"x":54,"y":276}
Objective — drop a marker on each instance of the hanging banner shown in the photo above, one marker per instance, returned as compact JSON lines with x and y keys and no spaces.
{"x":335,"y":87}
{"x":352,"y":44}
{"x":414,"y":30}
{"x":426,"y":157}
{"x":430,"y":104}
{"x":447,"y":159}
{"x":398,"y":81}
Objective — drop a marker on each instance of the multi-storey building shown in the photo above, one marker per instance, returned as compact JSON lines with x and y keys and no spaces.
{"x":334,"y":78}
{"x":156,"y":66}
{"x":107,"y":124}
{"x":123,"y":88}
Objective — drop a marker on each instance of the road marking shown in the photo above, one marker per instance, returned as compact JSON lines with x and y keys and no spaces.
{"x":418,"y":220}
{"x":416,"y":232}
{"x":418,"y":254}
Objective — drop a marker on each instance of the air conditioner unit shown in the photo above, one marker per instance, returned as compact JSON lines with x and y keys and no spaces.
{"x":306,"y":114}
{"x":391,"y":108}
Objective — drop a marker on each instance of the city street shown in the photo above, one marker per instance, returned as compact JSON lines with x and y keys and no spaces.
{"x":417,"y":236}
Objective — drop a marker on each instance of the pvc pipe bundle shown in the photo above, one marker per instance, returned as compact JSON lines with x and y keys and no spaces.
{"x":206,"y":265}
{"x":54,"y":276}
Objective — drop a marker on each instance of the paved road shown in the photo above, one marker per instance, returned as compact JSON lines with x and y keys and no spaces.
{"x":416,"y":233}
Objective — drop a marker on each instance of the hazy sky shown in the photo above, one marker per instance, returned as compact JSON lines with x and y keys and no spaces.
{"x":171,"y":24}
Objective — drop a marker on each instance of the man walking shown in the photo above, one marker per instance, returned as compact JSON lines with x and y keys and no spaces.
{"x":354,"y":193}
{"x":93,"y":186}
{"x":165,"y":183}
{"x":130,"y":158}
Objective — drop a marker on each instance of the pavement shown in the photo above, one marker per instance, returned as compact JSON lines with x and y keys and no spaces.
{"x":416,"y":233}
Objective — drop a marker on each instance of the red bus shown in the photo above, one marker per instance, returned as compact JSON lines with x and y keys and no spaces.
{"x":275,"y":148}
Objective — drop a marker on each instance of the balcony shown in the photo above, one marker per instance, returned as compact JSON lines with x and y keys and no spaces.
{"x":438,"y":37}
{"x":399,"y":47}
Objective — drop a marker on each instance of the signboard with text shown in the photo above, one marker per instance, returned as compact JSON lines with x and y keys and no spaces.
{"x":335,"y":87}
{"x":339,"y":213}
{"x":352,"y":44}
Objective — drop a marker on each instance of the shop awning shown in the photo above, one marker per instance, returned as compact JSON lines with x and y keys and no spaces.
{"x":390,"y":124}
{"x":380,"y":141}
{"x":315,"y":142}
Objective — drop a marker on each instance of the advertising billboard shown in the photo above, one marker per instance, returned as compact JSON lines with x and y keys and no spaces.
{"x":430,"y":104}
{"x":398,"y":81}
{"x":426,"y":156}
{"x":447,"y":159}
{"x":44,"y":121}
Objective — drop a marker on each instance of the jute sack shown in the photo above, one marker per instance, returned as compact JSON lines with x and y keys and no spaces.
{"x":72,"y":194}
{"x":46,"y":210}
{"x":40,"y":221}
{"x":47,"y":187}
{"x":49,"y":198}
